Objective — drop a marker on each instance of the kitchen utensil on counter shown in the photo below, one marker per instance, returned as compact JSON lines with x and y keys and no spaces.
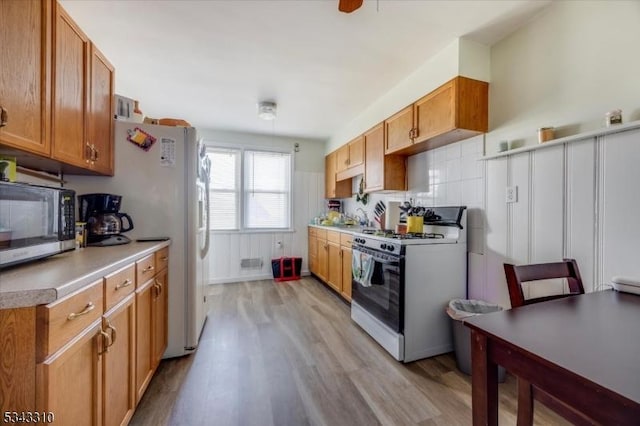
{"x":392,"y":215}
{"x":379,"y":213}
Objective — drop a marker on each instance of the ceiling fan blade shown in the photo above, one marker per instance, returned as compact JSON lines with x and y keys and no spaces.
{"x":348,"y":6}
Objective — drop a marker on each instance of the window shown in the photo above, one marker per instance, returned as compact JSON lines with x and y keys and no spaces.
{"x":250,"y":189}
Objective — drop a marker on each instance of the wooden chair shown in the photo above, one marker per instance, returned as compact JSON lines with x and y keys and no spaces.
{"x":516,"y":275}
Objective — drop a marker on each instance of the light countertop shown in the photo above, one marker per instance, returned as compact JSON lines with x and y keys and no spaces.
{"x":348,"y":229}
{"x":44,"y":281}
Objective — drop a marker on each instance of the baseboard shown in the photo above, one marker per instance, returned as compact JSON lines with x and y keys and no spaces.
{"x":256,"y":277}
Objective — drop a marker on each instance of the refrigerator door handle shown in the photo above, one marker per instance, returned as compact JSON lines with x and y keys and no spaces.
{"x":205,"y":177}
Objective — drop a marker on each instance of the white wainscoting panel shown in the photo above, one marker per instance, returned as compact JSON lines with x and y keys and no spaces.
{"x":581,"y":208}
{"x":578,"y":199}
{"x":495,"y":253}
{"x":229,"y":248}
{"x":520,"y":219}
{"x":621,"y":207}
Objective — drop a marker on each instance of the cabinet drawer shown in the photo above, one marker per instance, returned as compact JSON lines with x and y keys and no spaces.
{"x":333,"y":236}
{"x":313,"y":232}
{"x":145,"y":269}
{"x":60,"y":321}
{"x":346,"y":239}
{"x":118,"y":285}
{"x":321,"y":234}
{"x":162,"y":258}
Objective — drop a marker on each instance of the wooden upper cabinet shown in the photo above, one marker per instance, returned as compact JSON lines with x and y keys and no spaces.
{"x":342,"y":158}
{"x":25,"y":70}
{"x":100,"y":124}
{"x":435,"y":112}
{"x":457,"y":110}
{"x":382,"y":172}
{"x":356,"y":151}
{"x":332,"y":188}
{"x":70,"y":91}
{"x":399,"y":130}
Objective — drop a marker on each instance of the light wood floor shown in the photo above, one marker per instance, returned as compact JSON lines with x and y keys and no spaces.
{"x":288,"y":354}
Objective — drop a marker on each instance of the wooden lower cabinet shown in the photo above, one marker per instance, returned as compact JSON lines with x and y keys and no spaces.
{"x":151,"y":326}
{"x":346,"y":273}
{"x":330,"y":259}
{"x":159,"y":314}
{"x":144,"y":319}
{"x":313,"y":251}
{"x":69,"y":382}
{"x":92,"y":366}
{"x":334,"y":267}
{"x":119,"y":363}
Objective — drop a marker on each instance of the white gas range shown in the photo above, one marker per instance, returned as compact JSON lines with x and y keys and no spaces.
{"x":402,"y":284}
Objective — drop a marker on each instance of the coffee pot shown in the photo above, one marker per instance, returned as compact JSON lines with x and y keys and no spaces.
{"x":106,"y":224}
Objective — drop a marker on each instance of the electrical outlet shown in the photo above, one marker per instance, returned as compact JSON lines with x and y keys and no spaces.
{"x":511,"y":195}
{"x":279,"y":244}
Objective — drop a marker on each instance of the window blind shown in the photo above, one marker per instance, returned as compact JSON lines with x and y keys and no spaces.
{"x":267,"y":189}
{"x":224,"y":189}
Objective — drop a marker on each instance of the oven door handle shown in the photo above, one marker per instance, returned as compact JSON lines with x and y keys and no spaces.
{"x":375,"y":258}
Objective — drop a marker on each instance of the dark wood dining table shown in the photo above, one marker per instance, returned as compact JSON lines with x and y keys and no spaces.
{"x":583,"y":350}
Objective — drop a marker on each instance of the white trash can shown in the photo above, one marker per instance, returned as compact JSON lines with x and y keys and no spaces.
{"x":459,"y":310}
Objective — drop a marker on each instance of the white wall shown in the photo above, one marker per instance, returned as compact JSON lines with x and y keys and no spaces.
{"x":567,"y":68}
{"x":228,"y":248}
{"x":461,"y":57}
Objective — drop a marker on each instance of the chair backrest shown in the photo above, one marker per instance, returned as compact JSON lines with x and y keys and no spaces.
{"x":516,"y":275}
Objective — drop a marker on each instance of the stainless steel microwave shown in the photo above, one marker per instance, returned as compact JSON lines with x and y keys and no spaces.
{"x":35,"y":222}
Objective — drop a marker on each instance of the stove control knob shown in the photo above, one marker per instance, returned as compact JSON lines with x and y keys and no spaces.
{"x":383,"y":246}
{"x":391,"y":248}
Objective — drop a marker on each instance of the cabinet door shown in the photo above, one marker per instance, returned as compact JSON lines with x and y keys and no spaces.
{"x":435,"y":112}
{"x":334,"y":266}
{"x":382,"y":172}
{"x":342,"y":158}
{"x":313,"y":252}
{"x":160,"y":316}
{"x":323,"y":257}
{"x":346,"y":273}
{"x":356,"y":151}
{"x":333,"y":189}
{"x":398,"y":129}
{"x":69,"y":383}
{"x":374,"y":159}
{"x":119,"y":363}
{"x":71,"y":67}
{"x":144,"y":319}
{"x":100,"y":113}
{"x":25,"y":66}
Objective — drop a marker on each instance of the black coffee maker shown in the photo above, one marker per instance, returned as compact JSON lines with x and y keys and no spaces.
{"x":105,"y":224}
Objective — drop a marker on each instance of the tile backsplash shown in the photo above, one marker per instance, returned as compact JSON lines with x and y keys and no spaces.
{"x":446,"y":176}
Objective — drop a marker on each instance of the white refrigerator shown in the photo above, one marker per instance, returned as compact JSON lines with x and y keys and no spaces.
{"x":165,"y":191}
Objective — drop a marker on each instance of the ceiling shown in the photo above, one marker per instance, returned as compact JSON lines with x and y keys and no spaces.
{"x":211,"y":62}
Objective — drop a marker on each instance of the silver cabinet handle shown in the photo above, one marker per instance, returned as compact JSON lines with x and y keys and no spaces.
{"x":90,"y":307}
{"x":147,"y":269}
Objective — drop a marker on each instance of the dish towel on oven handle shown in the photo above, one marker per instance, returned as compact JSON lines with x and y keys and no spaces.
{"x":362,"y":268}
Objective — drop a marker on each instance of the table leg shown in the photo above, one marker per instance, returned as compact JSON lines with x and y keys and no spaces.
{"x":484,"y":382}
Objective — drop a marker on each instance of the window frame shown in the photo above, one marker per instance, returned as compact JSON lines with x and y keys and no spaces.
{"x":241,"y":226}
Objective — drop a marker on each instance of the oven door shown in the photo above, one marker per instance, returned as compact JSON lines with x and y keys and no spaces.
{"x":383,"y":294}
